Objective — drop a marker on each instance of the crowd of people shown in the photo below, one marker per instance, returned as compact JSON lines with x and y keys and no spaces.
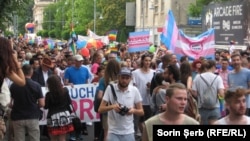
{"x":135,"y":90}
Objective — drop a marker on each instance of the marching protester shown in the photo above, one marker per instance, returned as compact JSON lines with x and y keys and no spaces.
{"x":10,"y":69}
{"x":108,"y":78}
{"x":41,"y":75}
{"x":240,"y":76}
{"x":236,"y":105}
{"x":176,"y":100}
{"x":141,"y":78}
{"x":152,"y":74}
{"x":73,"y":75}
{"x":58,"y":101}
{"x":26,"y":104}
{"x":207,"y":87}
{"x":125,"y":100}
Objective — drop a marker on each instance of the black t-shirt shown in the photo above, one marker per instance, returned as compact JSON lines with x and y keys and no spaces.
{"x":25,"y":100}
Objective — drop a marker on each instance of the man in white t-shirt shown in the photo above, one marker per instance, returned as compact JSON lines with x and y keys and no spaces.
{"x":142,"y":80}
{"x":120,"y":121}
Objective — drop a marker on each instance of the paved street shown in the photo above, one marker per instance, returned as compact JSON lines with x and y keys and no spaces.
{"x":90,"y":136}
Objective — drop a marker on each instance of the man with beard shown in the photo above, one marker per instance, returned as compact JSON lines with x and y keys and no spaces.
{"x":170,"y":75}
{"x":120,"y":123}
{"x":236,"y":105}
{"x":240,"y":77}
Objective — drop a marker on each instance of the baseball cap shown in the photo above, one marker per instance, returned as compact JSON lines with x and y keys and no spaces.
{"x":125,"y":71}
{"x":78,"y":57}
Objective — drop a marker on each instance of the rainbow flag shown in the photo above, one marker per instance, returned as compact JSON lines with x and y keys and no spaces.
{"x":73,"y":37}
{"x":170,"y":32}
{"x":112,"y":35}
{"x":50,"y":43}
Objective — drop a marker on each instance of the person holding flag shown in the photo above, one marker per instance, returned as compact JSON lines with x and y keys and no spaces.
{"x":73,"y":39}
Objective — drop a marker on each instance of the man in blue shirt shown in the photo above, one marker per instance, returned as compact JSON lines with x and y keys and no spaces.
{"x":77,"y":74}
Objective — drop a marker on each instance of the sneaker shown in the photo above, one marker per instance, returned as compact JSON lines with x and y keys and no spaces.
{"x":80,"y":138}
{"x":89,"y":123}
{"x":85,"y":132}
{"x":72,"y":139}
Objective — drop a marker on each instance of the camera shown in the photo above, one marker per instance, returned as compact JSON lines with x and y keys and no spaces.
{"x":123,"y":110}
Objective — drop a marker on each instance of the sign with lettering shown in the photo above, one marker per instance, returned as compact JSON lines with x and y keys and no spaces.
{"x":194,"y":20}
{"x":231,"y":21}
{"x":82,"y":97}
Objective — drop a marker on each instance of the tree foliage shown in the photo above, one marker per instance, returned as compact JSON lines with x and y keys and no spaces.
{"x":114,"y":17}
{"x":60,"y":16}
{"x":8,"y":8}
{"x":195,"y":9}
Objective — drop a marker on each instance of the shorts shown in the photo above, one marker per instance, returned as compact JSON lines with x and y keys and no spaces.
{"x":209,"y":114}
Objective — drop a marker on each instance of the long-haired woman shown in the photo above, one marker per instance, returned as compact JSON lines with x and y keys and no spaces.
{"x":186,"y":74}
{"x":58,"y":101}
{"x":9,"y":66}
{"x":111,"y":72}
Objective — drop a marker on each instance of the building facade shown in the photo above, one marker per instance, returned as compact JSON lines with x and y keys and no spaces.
{"x":151,"y":15}
{"x":39,"y":5}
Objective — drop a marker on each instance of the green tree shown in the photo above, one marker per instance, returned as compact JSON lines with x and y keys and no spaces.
{"x":49,"y":22}
{"x":45,"y":33}
{"x":21,"y":8}
{"x":39,"y":33}
{"x":52,"y":33}
{"x":65,"y":34}
{"x":195,"y":9}
{"x":113,"y":12}
{"x":8,"y":33}
{"x":81,"y":14}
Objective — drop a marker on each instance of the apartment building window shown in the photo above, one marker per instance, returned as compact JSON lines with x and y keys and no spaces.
{"x":156,"y":2}
{"x":156,"y":9}
{"x":162,"y":6}
{"x":141,"y":4}
{"x":146,"y":5}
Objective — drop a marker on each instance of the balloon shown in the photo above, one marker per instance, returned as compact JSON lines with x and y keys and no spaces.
{"x":152,"y":49}
{"x":30,"y":27}
{"x":85,"y":52}
{"x":92,"y":43}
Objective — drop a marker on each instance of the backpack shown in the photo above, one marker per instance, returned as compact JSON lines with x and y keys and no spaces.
{"x":208,"y":97}
{"x":97,"y":102}
{"x":191,"y":108}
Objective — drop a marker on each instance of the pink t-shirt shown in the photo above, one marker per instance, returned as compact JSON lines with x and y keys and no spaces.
{"x":94,"y":68}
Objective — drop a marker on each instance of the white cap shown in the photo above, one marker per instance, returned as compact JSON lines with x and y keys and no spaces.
{"x":78,"y":57}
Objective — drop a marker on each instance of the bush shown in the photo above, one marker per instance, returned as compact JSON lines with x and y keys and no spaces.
{"x":8,"y":33}
{"x":39,"y":33}
{"x":45,"y":33}
{"x":52,"y":34}
{"x":58,"y":34}
{"x":66,"y":34}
